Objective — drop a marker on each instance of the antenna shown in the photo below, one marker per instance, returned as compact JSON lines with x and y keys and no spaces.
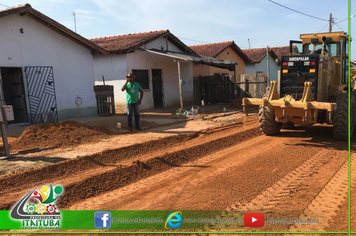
{"x":75,"y":23}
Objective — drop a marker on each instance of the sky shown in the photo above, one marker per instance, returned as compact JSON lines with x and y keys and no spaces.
{"x":260,"y":22}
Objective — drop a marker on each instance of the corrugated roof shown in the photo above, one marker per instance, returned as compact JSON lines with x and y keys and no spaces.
{"x":50,"y":23}
{"x":197,"y":59}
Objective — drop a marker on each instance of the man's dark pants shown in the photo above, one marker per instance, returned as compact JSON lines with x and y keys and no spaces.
{"x":129,"y":108}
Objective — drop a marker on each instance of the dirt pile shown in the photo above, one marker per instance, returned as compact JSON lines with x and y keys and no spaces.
{"x":67,"y":133}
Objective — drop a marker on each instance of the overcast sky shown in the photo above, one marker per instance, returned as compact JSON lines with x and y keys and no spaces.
{"x":200,"y":21}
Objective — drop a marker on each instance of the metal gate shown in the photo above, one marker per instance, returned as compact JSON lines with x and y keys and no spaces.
{"x":41,"y":94}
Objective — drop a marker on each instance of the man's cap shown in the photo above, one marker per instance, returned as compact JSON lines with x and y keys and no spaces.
{"x":130,"y":75}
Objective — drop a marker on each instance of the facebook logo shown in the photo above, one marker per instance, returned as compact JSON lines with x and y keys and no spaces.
{"x":102,"y":219}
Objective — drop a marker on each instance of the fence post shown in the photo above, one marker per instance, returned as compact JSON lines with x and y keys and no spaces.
{"x":246,"y":85}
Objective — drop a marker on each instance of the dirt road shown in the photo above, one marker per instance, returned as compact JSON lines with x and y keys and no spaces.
{"x":298,"y":174}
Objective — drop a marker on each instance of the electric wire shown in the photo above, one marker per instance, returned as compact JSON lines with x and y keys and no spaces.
{"x":323,"y":27}
{"x":4,"y":5}
{"x":192,"y":40}
{"x":341,"y":29}
{"x":297,"y":11}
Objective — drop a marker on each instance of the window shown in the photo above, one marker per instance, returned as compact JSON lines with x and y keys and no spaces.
{"x":142,"y":78}
{"x":333,"y":48}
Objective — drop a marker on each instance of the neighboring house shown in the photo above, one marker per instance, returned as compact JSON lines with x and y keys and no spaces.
{"x":157,"y":58}
{"x":259,"y":62}
{"x":225,"y":51}
{"x":45,"y":67}
{"x":281,"y":51}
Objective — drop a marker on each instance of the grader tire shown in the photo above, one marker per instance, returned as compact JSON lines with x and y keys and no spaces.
{"x":268,"y":125}
{"x":288,"y":125}
{"x":340,"y":117}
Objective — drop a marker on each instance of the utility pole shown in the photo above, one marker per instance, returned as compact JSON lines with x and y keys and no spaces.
{"x":75,"y":23}
{"x":249,"y":46}
{"x":331,"y":23}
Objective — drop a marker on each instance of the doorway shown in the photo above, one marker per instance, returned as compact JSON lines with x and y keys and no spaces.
{"x":14,"y":92}
{"x":157,"y":88}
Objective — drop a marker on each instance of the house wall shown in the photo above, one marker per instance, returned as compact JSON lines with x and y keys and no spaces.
{"x":148,"y":61}
{"x":201,"y":70}
{"x":115,"y":68}
{"x":40,"y":46}
{"x":227,"y":54}
{"x":250,"y":69}
{"x":273,"y":67}
{"x":162,"y":43}
{"x":231,"y":55}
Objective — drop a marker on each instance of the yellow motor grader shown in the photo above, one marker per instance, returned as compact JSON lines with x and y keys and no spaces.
{"x":312,"y":87}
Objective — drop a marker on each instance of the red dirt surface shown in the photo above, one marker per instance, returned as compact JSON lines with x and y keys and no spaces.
{"x":121,"y":175}
{"x":67,"y":133}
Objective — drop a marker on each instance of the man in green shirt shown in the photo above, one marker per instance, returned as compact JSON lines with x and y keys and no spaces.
{"x":132,"y":101}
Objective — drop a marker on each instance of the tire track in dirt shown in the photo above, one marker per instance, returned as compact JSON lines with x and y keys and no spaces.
{"x":271,"y":196}
{"x":176,"y":173}
{"x":99,"y":166}
{"x":110,"y":157}
{"x":139,"y":170}
{"x":130,"y":173}
{"x":326,"y":204}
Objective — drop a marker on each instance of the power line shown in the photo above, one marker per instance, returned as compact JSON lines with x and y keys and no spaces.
{"x":298,"y":11}
{"x":342,"y":29}
{"x":192,"y":40}
{"x":4,"y":5}
{"x":324,"y":27}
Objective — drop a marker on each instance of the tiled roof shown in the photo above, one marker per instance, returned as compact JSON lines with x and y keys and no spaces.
{"x":211,"y":49}
{"x":281,"y":51}
{"x":16,"y":7}
{"x":257,"y":54}
{"x":122,"y":43}
{"x":54,"y":25}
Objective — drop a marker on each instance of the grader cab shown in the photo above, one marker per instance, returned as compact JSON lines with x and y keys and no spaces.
{"x":312,"y":87}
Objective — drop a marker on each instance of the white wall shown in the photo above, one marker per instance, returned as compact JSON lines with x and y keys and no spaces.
{"x":40,"y":46}
{"x":161,"y":42}
{"x":115,"y":68}
{"x":148,"y":61}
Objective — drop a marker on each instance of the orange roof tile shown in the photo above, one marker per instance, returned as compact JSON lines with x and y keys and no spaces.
{"x":211,"y":49}
{"x":16,"y":7}
{"x":257,"y":54}
{"x":122,"y":43}
{"x":281,"y":51}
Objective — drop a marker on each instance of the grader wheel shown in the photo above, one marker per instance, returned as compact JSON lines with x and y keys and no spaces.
{"x":288,"y":125}
{"x":268,"y":125}
{"x":340,"y":117}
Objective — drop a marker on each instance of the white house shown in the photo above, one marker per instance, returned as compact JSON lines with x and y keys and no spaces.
{"x":46,"y":69}
{"x":156,"y":72}
{"x":163,"y":66}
